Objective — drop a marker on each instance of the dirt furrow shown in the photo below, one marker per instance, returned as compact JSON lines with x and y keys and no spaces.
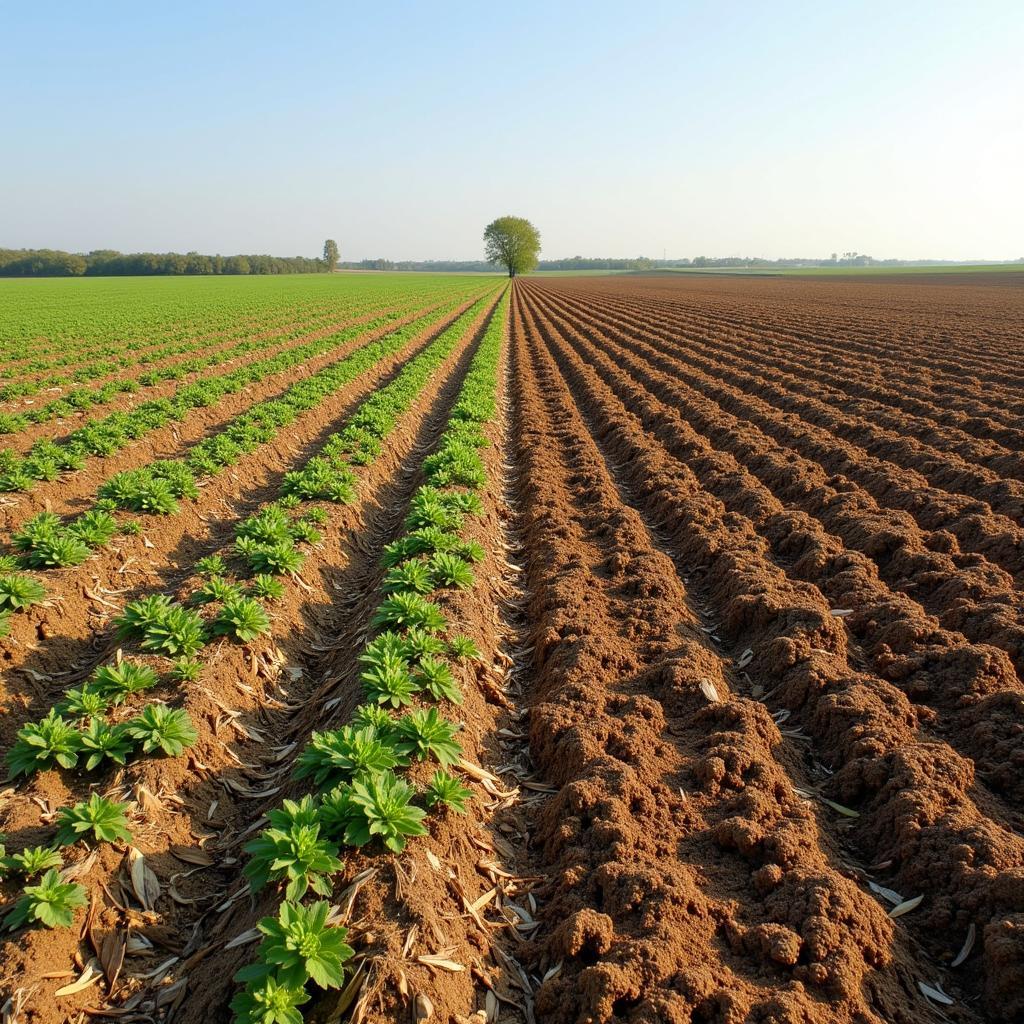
{"x":972,"y":687}
{"x":662,"y":908}
{"x":917,"y":822}
{"x":997,"y":538}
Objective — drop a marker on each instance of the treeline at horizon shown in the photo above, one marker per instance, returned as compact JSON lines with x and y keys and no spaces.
{"x":111,"y":263}
{"x":646,"y":263}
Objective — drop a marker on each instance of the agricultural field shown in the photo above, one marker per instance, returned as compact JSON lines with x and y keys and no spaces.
{"x":581,"y":649}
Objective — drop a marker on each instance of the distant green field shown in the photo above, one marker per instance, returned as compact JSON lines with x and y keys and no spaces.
{"x":945,"y":268}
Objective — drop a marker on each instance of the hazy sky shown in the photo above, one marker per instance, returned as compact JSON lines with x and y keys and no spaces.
{"x":893,"y":128}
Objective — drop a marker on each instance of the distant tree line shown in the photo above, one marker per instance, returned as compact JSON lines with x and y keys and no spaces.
{"x":109,"y":262}
{"x":848,"y":259}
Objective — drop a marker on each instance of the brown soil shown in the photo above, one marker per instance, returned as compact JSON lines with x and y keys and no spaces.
{"x":753,"y":676}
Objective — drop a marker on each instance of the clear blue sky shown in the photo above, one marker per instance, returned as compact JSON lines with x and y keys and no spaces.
{"x":895,"y":128}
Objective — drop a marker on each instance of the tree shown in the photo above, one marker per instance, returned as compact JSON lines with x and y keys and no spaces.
{"x":513,"y":242}
{"x":330,"y":254}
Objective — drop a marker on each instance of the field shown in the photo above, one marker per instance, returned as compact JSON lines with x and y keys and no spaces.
{"x":592,"y":649}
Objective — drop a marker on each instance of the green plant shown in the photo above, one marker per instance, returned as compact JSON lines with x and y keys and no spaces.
{"x":386,"y":810}
{"x":8,"y":564}
{"x":306,"y":532}
{"x":52,"y":902}
{"x":412,"y":575}
{"x":269,"y":1001}
{"x":39,"y":745}
{"x":471,"y":551}
{"x":422,"y":734}
{"x":243,"y":618}
{"x":216,"y":588}
{"x":435,"y":676}
{"x":211,"y":565}
{"x":316,"y":515}
{"x":104,"y":818}
{"x":5,"y":622}
{"x":33,"y":860}
{"x":19,"y":592}
{"x":446,"y":789}
{"x":162,"y":626}
{"x":408,"y":609}
{"x":375,"y":717}
{"x":131,"y":527}
{"x":100,"y":740}
{"x":450,"y":570}
{"x":122,"y":680}
{"x":419,"y":643}
{"x":58,"y":550}
{"x":158,"y":727}
{"x":94,"y":528}
{"x":292,"y":849}
{"x":266,"y":587}
{"x":186,"y":670}
{"x":464,"y":647}
{"x":299,"y":945}
{"x":340,"y":755}
{"x":389,"y":681}
{"x":84,"y":701}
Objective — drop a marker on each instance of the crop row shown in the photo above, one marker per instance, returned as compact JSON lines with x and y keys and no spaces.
{"x":89,"y":729}
{"x":46,"y":541}
{"x":360,"y":796}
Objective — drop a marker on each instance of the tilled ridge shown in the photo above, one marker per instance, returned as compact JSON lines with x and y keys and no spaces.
{"x":689,"y":878}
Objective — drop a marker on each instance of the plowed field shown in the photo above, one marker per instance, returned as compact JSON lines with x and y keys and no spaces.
{"x":717,"y":585}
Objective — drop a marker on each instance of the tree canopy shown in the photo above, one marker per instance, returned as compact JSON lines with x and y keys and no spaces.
{"x":512,"y":242}
{"x":330,"y":254}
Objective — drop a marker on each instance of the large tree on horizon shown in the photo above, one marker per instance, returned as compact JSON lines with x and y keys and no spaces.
{"x":330,"y":254}
{"x":513,"y":242}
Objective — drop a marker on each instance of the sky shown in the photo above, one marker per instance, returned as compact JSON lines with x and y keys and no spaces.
{"x":675,"y":128}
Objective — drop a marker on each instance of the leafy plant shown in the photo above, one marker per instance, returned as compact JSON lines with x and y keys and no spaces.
{"x":266,"y":587}
{"x":409,"y":610}
{"x":385,"y":803}
{"x":94,"y":528}
{"x":162,"y":626}
{"x":33,"y":860}
{"x":435,"y":676}
{"x":292,"y":849}
{"x":19,"y":592}
{"x":389,"y":681}
{"x":5,"y":622}
{"x":186,"y":670}
{"x":122,"y":680}
{"x":52,"y":902}
{"x":269,"y":1001}
{"x":84,"y":701}
{"x":344,"y":753}
{"x":423,"y":734}
{"x":375,"y":717}
{"x":217,"y":588}
{"x":412,"y":575}
{"x":159,"y":727}
{"x":419,"y":643}
{"x":464,"y":647}
{"x":102,"y":741}
{"x":104,"y":819}
{"x":299,"y":945}
{"x":450,"y":570}
{"x":38,"y":745}
{"x":58,"y":550}
{"x":211,"y":565}
{"x":446,"y":789}
{"x":243,"y":618}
